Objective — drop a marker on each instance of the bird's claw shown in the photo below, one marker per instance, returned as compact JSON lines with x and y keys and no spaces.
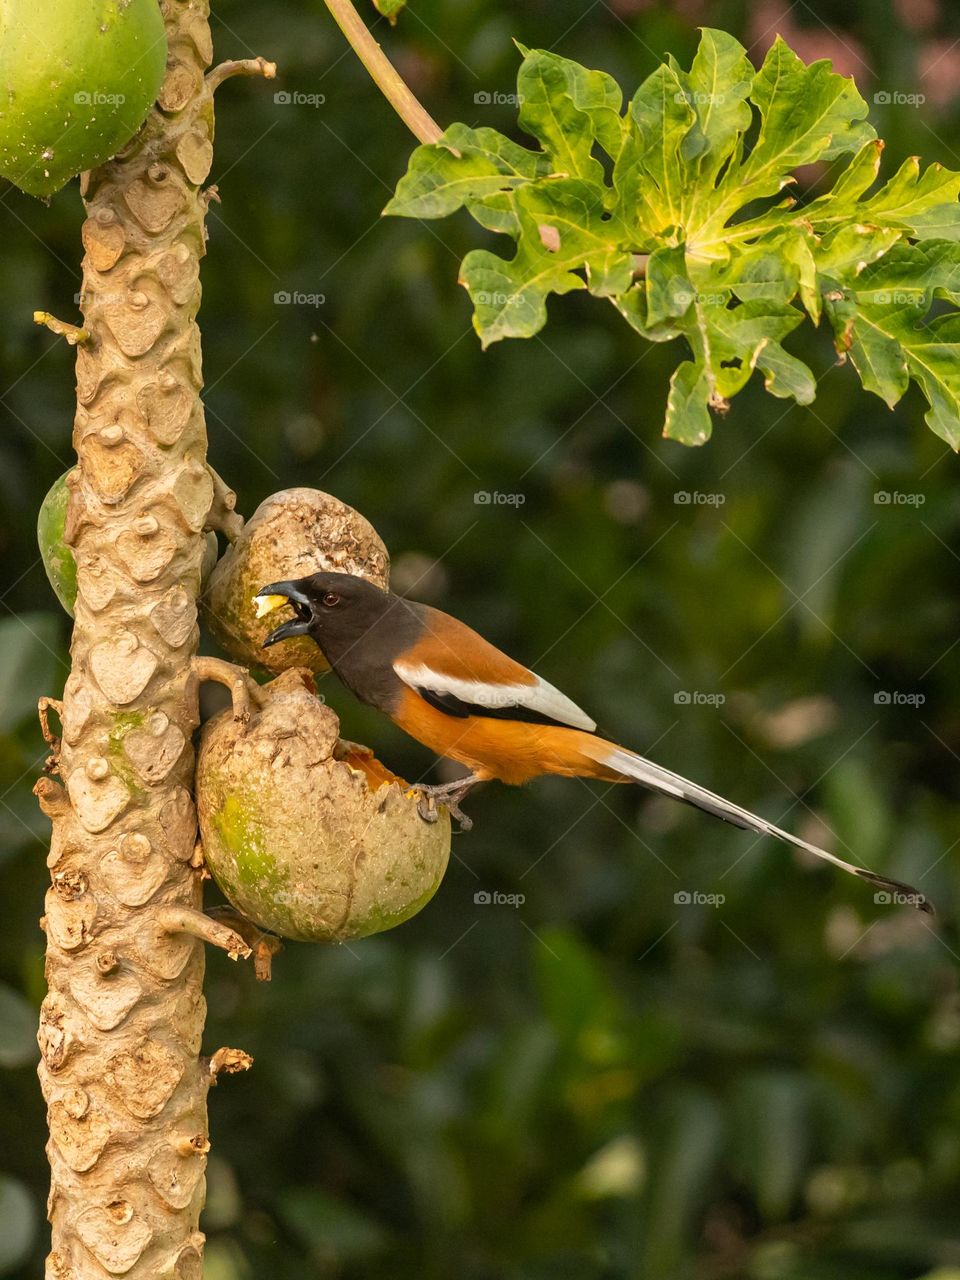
{"x":466,"y":823}
{"x":427,"y":807}
{"x":427,"y":802}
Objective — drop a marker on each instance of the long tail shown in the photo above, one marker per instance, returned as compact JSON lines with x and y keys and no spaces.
{"x":625,"y":765}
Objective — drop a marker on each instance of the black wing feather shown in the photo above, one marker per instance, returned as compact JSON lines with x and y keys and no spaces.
{"x":451,"y":705}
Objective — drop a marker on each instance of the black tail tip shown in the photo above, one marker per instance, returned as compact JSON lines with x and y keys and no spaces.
{"x":893,"y":893}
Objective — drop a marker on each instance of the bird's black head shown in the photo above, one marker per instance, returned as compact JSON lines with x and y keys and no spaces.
{"x":337,"y":610}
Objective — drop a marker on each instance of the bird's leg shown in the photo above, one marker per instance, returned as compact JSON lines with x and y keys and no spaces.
{"x":449,"y":794}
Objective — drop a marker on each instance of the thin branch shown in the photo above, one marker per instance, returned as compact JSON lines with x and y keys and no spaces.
{"x":241,"y":67}
{"x":388,"y":80}
{"x":244,"y":690}
{"x":62,"y":328}
{"x":222,"y":515}
{"x":177,"y":919}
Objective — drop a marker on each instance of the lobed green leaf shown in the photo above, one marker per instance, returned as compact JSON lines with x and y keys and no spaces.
{"x":672,"y":209}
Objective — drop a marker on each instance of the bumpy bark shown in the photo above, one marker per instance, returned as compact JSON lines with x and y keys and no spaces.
{"x":121,"y":1025}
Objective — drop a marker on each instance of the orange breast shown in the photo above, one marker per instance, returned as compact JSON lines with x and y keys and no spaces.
{"x":510,"y":750}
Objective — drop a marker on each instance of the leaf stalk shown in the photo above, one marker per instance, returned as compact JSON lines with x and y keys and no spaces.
{"x":383,"y":73}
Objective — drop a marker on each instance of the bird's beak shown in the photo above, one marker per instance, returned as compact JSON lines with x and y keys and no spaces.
{"x":274,"y":597}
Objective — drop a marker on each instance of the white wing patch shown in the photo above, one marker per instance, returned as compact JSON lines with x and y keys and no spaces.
{"x":540,"y":697}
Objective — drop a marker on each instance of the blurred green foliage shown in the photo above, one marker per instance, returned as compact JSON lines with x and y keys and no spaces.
{"x":603,"y":1082}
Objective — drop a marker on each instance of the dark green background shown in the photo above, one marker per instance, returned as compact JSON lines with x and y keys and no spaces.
{"x":600,"y":1083}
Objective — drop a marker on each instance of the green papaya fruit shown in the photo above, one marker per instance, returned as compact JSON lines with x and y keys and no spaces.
{"x":77,"y":78}
{"x":57,"y":555}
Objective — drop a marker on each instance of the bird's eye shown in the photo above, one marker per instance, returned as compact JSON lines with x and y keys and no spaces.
{"x":330,"y":599}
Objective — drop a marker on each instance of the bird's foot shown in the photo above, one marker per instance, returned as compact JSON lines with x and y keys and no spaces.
{"x":427,"y":806}
{"x":448,"y":794}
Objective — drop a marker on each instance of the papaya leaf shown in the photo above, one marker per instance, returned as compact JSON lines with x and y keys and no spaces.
{"x":688,"y":419}
{"x":568,"y":109}
{"x":881,"y":321}
{"x":674,"y":208}
{"x":464,"y":167}
{"x":562,"y":229}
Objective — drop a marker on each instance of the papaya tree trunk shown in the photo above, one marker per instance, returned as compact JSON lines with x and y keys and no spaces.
{"x":121,"y":1024}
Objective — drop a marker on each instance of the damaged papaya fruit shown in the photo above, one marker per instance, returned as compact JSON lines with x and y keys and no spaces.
{"x":293,"y":533}
{"x":308,"y":836}
{"x":76,"y":83}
